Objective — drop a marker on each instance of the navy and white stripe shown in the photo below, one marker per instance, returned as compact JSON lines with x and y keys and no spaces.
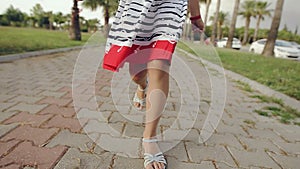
{"x":141,"y":22}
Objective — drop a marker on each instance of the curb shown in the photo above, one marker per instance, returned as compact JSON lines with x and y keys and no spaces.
{"x":12,"y":57}
{"x":293,"y":103}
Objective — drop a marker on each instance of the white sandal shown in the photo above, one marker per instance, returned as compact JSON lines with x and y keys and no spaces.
{"x":136,"y":99}
{"x":150,"y":158}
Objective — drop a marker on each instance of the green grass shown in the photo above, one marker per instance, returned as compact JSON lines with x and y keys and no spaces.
{"x":17,"y":40}
{"x":279,"y":74}
{"x":245,"y":86}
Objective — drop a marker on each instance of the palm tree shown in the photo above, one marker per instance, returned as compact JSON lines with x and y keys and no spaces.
{"x":214,"y":29}
{"x":248,"y":11}
{"x":269,"y":48}
{"x":75,"y":25}
{"x":109,"y":7}
{"x":261,"y":11}
{"x":221,"y":20}
{"x":233,"y":23}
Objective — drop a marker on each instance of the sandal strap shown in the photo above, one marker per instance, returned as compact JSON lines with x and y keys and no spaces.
{"x":145,"y":140}
{"x":150,"y":158}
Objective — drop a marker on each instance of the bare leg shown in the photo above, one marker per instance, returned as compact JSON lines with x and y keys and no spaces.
{"x":138,"y":74}
{"x":158,"y":88}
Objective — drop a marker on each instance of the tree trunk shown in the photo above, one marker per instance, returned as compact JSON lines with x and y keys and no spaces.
{"x":257,"y":28}
{"x":219,"y":31}
{"x":269,"y":48}
{"x":214,"y":28}
{"x":232,"y":24}
{"x":245,"y":40}
{"x":75,"y":33}
{"x":206,"y":12}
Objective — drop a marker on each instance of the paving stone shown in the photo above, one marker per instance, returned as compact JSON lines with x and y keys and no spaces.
{"x":65,"y":89}
{"x":193,"y":136}
{"x":5,"y":97}
{"x":94,"y":126}
{"x":52,"y":94}
{"x":107,"y":107}
{"x":27,"y":118}
{"x":174,"y":134}
{"x":255,"y":159}
{"x":125,"y":163}
{"x":116,"y":145}
{"x":133,"y":131}
{"x":4,"y":106}
{"x":55,"y":109}
{"x":37,"y":135}
{"x":117,"y":117}
{"x":73,"y":158}
{"x":224,"y":166}
{"x":7,"y":146}
{"x":224,"y":140}
{"x":27,"y":92}
{"x":235,"y":129}
{"x":12,"y":166}
{"x":27,"y":154}
{"x":286,"y":161}
{"x":26,"y":99}
{"x":259,"y":145}
{"x":96,"y":115}
{"x":289,"y":148}
{"x":6,"y":128}
{"x":56,"y":101}
{"x":289,"y":133}
{"x":178,"y":152}
{"x":199,"y":153}
{"x":73,"y":124}
{"x":264,"y":134}
{"x":31,"y":108}
{"x":175,"y":164}
{"x":6,"y":115}
{"x":66,"y":138}
{"x":84,"y":104}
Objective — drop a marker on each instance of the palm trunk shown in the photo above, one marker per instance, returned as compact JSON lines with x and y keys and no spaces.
{"x":75,"y":26}
{"x":233,"y":23}
{"x":269,"y":48}
{"x":219,"y":30}
{"x":106,"y":16}
{"x":106,"y":20}
{"x":214,"y":30}
{"x":206,"y":12}
{"x":245,"y":40}
{"x":257,"y":28}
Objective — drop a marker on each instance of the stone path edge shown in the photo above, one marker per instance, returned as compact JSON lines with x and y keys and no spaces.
{"x":293,"y":103}
{"x":12,"y":57}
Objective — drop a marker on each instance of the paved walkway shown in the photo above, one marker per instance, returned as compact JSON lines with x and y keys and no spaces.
{"x":43,"y":126}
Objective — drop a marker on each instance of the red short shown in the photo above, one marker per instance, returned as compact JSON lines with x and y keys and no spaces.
{"x":138,"y":54}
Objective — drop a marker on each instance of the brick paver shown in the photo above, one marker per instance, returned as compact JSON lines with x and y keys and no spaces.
{"x":27,"y":154}
{"x":27,"y":118}
{"x":38,"y":136}
{"x":46,"y":124}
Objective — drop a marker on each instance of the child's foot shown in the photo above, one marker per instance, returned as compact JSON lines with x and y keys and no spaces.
{"x":153,"y":157}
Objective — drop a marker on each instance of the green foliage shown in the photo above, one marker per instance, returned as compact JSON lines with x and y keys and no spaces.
{"x":17,"y":40}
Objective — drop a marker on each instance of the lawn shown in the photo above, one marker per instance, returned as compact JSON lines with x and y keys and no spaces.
{"x":279,"y":74}
{"x":17,"y":40}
